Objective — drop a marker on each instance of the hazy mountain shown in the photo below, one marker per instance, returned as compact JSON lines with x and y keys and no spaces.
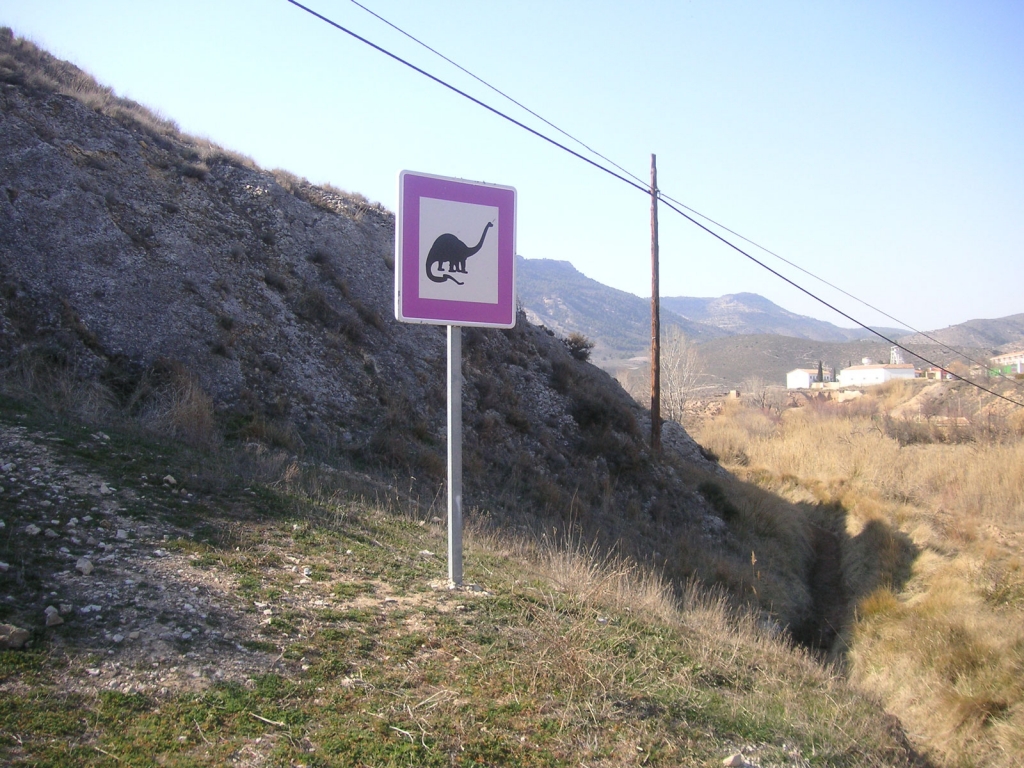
{"x":1004,"y":334}
{"x":555,"y":294}
{"x":742,"y":335}
{"x":749,"y":313}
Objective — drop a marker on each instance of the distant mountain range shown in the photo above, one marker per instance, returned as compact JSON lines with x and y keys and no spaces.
{"x":741,"y":335}
{"x":557,"y":295}
{"x":1005,"y":334}
{"x":749,"y":313}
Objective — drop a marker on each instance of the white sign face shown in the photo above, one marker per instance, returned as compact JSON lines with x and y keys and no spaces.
{"x":455,"y":252}
{"x":460,"y":241}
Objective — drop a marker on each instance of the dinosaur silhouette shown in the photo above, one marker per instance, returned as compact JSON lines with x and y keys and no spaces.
{"x":448,"y":249}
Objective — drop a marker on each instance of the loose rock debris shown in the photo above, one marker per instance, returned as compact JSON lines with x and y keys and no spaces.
{"x":82,"y":576}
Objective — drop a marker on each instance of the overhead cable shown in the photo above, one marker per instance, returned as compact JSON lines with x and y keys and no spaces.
{"x":465,"y":95}
{"x":638,"y":186}
{"x":705,"y":217}
{"x":498,"y":91}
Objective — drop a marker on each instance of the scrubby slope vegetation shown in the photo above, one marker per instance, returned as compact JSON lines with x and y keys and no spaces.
{"x":236,"y":606}
{"x":927,"y":481}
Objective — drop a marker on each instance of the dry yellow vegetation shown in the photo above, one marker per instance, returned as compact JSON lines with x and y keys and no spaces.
{"x":933,"y":551}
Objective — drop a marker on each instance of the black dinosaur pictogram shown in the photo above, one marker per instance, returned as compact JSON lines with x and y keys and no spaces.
{"x":448,"y":249}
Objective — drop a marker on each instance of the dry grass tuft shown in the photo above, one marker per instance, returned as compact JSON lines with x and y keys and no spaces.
{"x":166,"y":399}
{"x":882,"y":602}
{"x":610,"y":581}
{"x":50,"y":378}
{"x":183,"y":410}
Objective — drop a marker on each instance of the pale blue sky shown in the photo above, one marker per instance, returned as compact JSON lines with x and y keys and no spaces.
{"x":878,"y":144}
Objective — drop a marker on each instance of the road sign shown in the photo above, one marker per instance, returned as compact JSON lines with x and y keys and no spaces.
{"x":455,"y":245}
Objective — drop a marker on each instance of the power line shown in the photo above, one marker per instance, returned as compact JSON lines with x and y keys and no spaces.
{"x":608,"y":160}
{"x":498,"y":91}
{"x":639,"y":186}
{"x":465,"y":95}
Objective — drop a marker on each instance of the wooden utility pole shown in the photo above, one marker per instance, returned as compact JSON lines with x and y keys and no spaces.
{"x":655,"y":317}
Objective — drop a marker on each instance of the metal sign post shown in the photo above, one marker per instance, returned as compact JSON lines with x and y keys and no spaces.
{"x":455,"y":455}
{"x":455,"y":266}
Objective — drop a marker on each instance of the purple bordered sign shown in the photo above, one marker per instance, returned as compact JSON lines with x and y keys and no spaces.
{"x":455,"y":247}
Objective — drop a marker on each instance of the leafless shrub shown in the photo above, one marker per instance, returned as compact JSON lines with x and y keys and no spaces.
{"x":355,"y":197}
{"x":130,"y":114}
{"x":579,"y":346}
{"x":185,"y":411}
{"x":197,"y":171}
{"x":271,"y":432}
{"x":212,"y":154}
{"x":288,"y":180}
{"x":683,"y":378}
{"x":351,"y":329}
{"x":314,"y":306}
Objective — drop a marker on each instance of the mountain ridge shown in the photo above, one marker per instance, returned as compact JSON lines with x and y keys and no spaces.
{"x":553,"y":293}
{"x":733,"y":329}
{"x":751,"y":313}
{"x":550,"y":291}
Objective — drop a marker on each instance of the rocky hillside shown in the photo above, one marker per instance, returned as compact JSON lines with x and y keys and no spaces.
{"x":150,"y":272}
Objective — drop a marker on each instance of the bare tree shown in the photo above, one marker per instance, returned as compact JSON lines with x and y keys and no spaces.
{"x":683,"y":376}
{"x":763,"y":395}
{"x":757,"y":390}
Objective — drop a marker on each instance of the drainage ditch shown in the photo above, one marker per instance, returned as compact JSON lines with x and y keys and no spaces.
{"x":829,"y":601}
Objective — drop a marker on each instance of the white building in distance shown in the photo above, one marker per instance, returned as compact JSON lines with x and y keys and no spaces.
{"x":802,"y":378}
{"x":878,"y":373}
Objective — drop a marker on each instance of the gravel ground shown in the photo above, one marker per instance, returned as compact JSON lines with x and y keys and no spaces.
{"x":96,"y":572}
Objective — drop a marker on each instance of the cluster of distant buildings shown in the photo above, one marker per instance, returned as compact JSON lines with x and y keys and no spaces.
{"x":1007,"y":365}
{"x":869,"y":373}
